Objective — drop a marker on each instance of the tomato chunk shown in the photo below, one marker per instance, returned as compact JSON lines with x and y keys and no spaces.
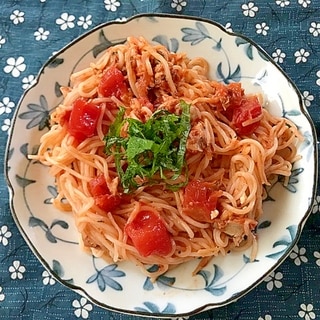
{"x":83,"y":119}
{"x":149,"y":234}
{"x":200,"y":200}
{"x":101,"y":194}
{"x":112,"y":83}
{"x":98,"y":186}
{"x":246,"y":116}
{"x":107,"y":202}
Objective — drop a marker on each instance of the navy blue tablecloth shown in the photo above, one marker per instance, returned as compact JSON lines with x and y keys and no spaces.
{"x":31,"y":31}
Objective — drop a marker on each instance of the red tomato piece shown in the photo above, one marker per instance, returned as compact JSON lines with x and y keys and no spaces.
{"x":83,"y":119}
{"x":98,"y":186}
{"x":200,"y":200}
{"x":112,"y":83}
{"x":65,"y":118}
{"x":101,"y":194}
{"x":246,"y":116}
{"x":149,"y":234}
{"x":107,"y":202}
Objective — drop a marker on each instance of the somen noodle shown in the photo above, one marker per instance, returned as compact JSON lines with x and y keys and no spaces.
{"x":202,"y":190}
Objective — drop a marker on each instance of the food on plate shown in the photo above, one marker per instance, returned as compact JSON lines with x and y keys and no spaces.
{"x":160,"y":164}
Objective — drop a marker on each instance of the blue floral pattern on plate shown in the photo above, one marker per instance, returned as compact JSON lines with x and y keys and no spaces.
{"x":52,"y":234}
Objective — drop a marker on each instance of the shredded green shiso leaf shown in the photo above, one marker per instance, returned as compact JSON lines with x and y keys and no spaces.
{"x":152,"y":152}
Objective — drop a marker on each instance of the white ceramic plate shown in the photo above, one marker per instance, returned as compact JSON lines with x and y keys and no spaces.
{"x":121,"y":287}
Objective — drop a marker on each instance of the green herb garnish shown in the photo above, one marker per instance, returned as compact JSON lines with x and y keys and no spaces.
{"x":152,"y":152}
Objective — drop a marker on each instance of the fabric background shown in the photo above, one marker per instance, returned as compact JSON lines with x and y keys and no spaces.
{"x":32,"y":30}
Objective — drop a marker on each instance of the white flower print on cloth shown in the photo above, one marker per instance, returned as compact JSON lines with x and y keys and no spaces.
{"x":47,"y":279}
{"x":2,"y":41}
{"x":112,"y":5}
{"x":304,"y":3}
{"x":66,"y":21}
{"x":266,"y":317}
{"x":28,"y":81}
{"x":15,"y":66}
{"x":6,"y":106}
{"x":178,"y":4}
{"x":82,"y":308}
{"x":297,"y":255}
{"x":85,"y":22}
{"x":278,"y":56}
{"x":273,"y":280}
{"x":17,"y":270}
{"x":41,"y":34}
{"x":6,"y":125}
{"x":228,"y":27}
{"x":17,"y":17}
{"x":249,"y":9}
{"x":123,"y":19}
{"x":262,"y":28}
{"x":306,"y":311}
{"x":318,"y":76}
{"x":5,"y":234}
{"x":314,"y":28}
{"x":307,"y":98}
{"x":282,"y":3}
{"x":2,"y":295}
{"x":301,"y":55}
{"x":316,"y":204}
{"x":317,"y":256}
